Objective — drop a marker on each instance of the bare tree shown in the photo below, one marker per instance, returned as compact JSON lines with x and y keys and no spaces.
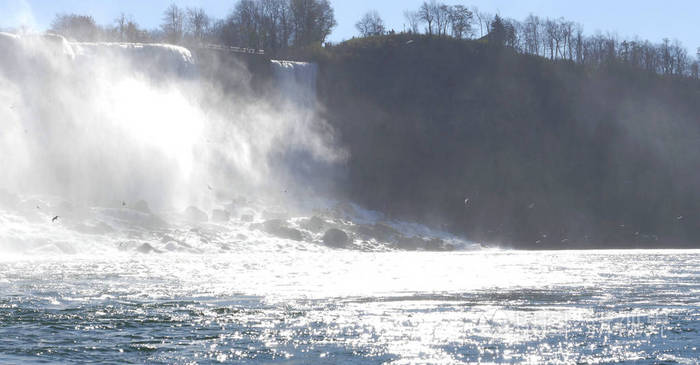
{"x":275,"y":23}
{"x":173,"y":23}
{"x":313,"y":21}
{"x":579,"y":43}
{"x":551,"y":39}
{"x":414,"y":20}
{"x":483,"y":19}
{"x":532,"y":29}
{"x":371,"y":24}
{"x":286,"y":23}
{"x":681,"y":60}
{"x":666,"y":57}
{"x":120,"y":26}
{"x":567,"y":33}
{"x":427,"y":14}
{"x":127,"y":30}
{"x":246,"y":20}
{"x":78,"y":27}
{"x":198,"y":23}
{"x":442,"y":17}
{"x":461,"y":21}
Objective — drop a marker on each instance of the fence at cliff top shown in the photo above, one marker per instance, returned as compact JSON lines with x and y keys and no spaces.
{"x":219,"y":47}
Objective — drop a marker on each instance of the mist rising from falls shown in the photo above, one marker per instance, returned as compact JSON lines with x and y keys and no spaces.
{"x":130,"y":150}
{"x":99,"y":122}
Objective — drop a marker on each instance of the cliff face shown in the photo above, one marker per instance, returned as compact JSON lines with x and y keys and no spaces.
{"x":549,"y":155}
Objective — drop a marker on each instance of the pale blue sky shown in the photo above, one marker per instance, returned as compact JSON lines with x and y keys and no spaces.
{"x":648,"y":19}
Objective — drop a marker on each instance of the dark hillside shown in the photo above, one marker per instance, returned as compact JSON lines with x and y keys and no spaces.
{"x":549,"y":154}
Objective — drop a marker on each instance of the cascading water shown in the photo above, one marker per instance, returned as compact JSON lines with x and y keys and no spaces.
{"x":189,"y":227}
{"x":297,"y":81}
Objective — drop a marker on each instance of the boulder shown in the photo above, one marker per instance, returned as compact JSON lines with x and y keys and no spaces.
{"x":377,"y":231}
{"x":336,"y":238}
{"x":146,"y":248}
{"x":278,"y":228}
{"x":142,"y":207}
{"x":194,"y":214}
{"x":313,"y":224}
{"x":422,"y":244}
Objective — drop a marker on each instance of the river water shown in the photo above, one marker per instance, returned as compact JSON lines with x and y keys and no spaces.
{"x":222,"y":297}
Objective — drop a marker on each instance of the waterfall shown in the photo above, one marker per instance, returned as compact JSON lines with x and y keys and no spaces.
{"x":156,"y":59}
{"x":297,"y":82}
{"x":105,"y":147}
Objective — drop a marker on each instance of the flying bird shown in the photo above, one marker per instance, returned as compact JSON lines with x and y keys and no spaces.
{"x":123,"y":203}
{"x":209,"y":187}
{"x":55,"y":219}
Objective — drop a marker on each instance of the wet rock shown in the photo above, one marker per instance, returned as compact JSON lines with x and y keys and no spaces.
{"x":274,"y":215}
{"x":194,"y":214}
{"x":314,"y":224}
{"x":142,"y":207}
{"x":279,"y":228}
{"x":438,"y":245}
{"x":409,"y":243}
{"x":378,"y":231}
{"x":422,"y":244}
{"x":219,"y":215}
{"x":336,"y":238}
{"x":146,"y":248}
{"x":383,"y":232}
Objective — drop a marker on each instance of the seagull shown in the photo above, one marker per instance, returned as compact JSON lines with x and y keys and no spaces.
{"x":209,"y":187}
{"x":55,"y":219}
{"x":466,"y":201}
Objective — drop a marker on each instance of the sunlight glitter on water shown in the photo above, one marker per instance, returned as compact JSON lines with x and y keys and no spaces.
{"x":331,"y":305}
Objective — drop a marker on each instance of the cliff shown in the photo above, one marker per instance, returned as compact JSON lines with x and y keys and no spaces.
{"x":513,"y":149}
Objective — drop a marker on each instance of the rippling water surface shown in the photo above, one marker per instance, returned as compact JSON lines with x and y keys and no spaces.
{"x":273,"y":301}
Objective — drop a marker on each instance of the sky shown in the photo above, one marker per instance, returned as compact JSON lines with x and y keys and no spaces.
{"x":648,"y":19}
